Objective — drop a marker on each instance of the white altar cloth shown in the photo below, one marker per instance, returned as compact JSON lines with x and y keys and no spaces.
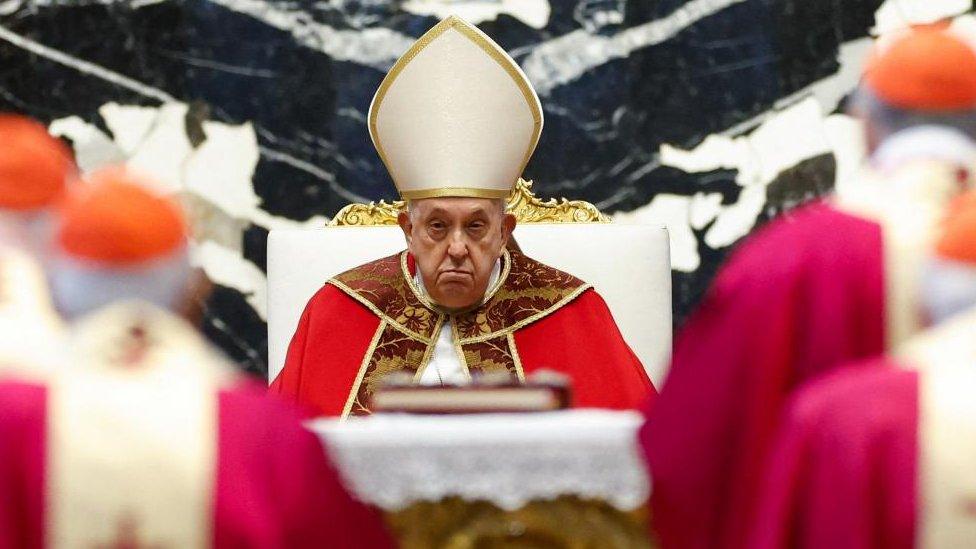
{"x":393,"y":460}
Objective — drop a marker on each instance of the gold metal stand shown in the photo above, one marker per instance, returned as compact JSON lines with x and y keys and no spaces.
{"x":565,"y":523}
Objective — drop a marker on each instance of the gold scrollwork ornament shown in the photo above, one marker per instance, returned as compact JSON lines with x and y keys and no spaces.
{"x":522,"y":203}
{"x":528,"y":208}
{"x":368,"y":215}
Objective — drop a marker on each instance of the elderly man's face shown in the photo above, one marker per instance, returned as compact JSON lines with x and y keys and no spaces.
{"x":455,"y":242}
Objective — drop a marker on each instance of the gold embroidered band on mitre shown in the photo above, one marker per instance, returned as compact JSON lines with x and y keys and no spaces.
{"x":409,"y":326}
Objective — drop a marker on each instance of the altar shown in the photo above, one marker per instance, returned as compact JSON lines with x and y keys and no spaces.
{"x":571,"y":479}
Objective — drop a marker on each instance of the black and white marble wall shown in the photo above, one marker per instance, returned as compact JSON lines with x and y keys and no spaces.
{"x":708,"y":116}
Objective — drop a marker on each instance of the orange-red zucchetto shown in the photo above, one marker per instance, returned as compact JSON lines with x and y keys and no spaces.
{"x":34,"y":166}
{"x":928,"y":69}
{"x":958,"y":239}
{"x":117,"y":221}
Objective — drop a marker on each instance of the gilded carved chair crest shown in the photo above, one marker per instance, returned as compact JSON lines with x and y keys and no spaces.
{"x":523,"y":203}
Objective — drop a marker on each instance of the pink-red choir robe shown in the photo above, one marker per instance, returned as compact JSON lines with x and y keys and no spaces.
{"x":803,"y":294}
{"x":843,"y":472}
{"x":274,"y":486}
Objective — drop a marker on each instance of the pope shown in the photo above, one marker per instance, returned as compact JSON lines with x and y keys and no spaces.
{"x":825,"y":284}
{"x":880,"y":455}
{"x":455,"y":121}
{"x":146,"y":436}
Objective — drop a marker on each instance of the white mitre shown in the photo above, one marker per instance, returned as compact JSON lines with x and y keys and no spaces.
{"x":455,"y":116}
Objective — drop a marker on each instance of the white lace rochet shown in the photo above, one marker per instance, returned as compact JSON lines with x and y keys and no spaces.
{"x":394,"y":460}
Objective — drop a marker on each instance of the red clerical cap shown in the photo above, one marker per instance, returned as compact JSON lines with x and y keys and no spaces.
{"x":928,"y":69}
{"x":114,"y":220}
{"x":34,"y":166}
{"x":958,"y":240}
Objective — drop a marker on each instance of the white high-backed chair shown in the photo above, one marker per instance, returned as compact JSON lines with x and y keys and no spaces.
{"x":629,"y":265}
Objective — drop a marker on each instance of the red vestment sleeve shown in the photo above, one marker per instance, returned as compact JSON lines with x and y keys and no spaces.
{"x":326,"y":352}
{"x":842,"y":473}
{"x":801,"y":296}
{"x":582,"y":341}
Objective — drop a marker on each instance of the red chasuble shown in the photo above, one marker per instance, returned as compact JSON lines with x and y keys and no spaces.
{"x":842,"y":474}
{"x":372,"y":321}
{"x":274,"y":487}
{"x":803,"y":294}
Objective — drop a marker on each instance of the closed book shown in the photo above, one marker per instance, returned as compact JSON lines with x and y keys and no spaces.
{"x":471,"y":399}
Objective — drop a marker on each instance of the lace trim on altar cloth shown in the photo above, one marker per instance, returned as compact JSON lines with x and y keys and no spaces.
{"x":392,"y":461}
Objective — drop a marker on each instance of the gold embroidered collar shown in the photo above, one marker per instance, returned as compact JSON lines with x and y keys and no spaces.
{"x":404,"y":341}
{"x":526,"y":291}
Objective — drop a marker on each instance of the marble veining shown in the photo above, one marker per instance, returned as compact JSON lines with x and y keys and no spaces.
{"x":707,"y":116}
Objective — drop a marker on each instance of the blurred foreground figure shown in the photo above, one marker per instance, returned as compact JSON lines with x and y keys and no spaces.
{"x":455,"y":121}
{"x":827,"y":283}
{"x":35,"y":169}
{"x":882,"y":456}
{"x":146,"y":437}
